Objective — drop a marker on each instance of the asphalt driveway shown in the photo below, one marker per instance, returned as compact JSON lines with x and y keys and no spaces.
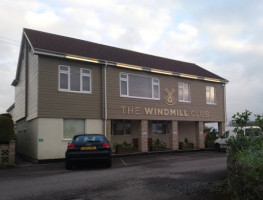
{"x":189,"y":175}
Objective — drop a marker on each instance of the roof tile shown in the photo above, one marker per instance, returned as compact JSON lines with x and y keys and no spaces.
{"x":66,"y":45}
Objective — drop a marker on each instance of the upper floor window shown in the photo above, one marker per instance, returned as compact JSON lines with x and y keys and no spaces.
{"x":138,"y":86}
{"x":74,"y":79}
{"x":184,"y":92}
{"x":210,"y":95}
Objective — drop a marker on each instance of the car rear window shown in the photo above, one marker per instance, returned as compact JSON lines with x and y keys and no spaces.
{"x":89,"y":138}
{"x":253,"y":132}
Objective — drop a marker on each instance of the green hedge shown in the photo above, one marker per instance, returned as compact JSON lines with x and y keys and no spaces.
{"x":245,"y":180}
{"x":6,"y":129}
{"x":245,"y":167}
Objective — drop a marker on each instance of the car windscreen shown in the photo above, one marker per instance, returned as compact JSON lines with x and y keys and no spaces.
{"x":89,"y":138}
{"x":253,"y":132}
{"x":225,"y":135}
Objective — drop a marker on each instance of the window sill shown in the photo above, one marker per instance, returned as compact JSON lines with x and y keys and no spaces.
{"x":180,"y":101}
{"x":211,"y":103}
{"x":121,"y":135}
{"x":140,"y":98}
{"x":79,"y":92}
{"x":66,"y":139}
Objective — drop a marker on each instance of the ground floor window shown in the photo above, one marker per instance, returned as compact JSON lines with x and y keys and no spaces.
{"x":73,"y":127}
{"x":121,"y":127}
{"x":159,"y":127}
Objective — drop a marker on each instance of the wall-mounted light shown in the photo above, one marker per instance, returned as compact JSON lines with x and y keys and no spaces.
{"x":161,"y":71}
{"x":129,"y":66}
{"x":212,"y":80}
{"x":188,"y":76}
{"x":82,"y":58}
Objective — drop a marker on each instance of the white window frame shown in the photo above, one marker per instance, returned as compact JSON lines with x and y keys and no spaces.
{"x":155,"y":84}
{"x":82,"y":74}
{"x":127,"y":83}
{"x":127,"y":80}
{"x":189,"y":88}
{"x":63,"y":72}
{"x":209,"y":102}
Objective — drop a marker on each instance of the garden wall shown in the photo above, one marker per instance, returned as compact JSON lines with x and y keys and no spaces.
{"x":7,"y":154}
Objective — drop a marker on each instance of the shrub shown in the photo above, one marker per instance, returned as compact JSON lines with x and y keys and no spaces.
{"x":243,"y":143}
{"x":159,"y":144}
{"x":252,"y":159}
{"x":259,"y":121}
{"x":6,"y":129}
{"x":123,"y":145}
{"x":245,"y":163}
{"x":6,"y":115}
{"x":210,"y":139}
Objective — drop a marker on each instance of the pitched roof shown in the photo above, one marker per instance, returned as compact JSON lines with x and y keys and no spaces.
{"x":58,"y":44}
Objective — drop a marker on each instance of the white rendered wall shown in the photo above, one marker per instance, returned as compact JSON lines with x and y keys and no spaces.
{"x":94,"y":126}
{"x":51,"y":144}
{"x":27,"y":138}
{"x":50,"y":139}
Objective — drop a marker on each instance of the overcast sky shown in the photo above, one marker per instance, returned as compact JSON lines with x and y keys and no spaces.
{"x":222,"y":36}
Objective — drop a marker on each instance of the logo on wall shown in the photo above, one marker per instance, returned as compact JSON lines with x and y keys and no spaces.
{"x":169,"y":98}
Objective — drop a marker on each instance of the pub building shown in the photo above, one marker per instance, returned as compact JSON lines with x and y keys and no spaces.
{"x":66,"y":86}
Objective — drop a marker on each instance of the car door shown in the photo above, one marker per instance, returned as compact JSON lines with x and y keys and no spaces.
{"x":223,"y":139}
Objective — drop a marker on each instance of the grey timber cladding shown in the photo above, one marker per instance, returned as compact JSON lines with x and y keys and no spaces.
{"x":20,"y":91}
{"x":32,"y":103}
{"x":58,"y":104}
{"x":198,"y":98}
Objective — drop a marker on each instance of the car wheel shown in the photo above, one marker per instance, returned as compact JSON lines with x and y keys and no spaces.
{"x":108,"y":164}
{"x":217,"y":146}
{"x":68,"y":166}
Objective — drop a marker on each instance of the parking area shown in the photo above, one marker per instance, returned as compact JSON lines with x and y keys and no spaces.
{"x":191,"y":175}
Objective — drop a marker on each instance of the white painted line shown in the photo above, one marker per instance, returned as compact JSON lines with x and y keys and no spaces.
{"x":124,"y":163}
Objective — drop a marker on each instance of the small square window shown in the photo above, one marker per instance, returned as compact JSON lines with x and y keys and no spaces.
{"x":184,"y":92}
{"x":63,"y":68}
{"x":85,"y":71}
{"x":210,"y":95}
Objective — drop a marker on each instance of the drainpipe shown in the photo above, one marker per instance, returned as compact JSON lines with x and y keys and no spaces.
{"x":225,"y":104}
{"x":105,"y":99}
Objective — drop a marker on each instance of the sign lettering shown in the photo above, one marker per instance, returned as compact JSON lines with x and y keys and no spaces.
{"x":153,"y":111}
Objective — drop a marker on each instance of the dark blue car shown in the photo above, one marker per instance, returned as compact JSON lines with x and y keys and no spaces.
{"x":88,"y":148}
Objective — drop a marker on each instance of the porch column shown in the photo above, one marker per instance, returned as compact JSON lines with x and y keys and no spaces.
{"x":143,"y":138}
{"x":200,"y":136}
{"x":108,"y":130}
{"x":221,"y":128}
{"x":173,"y":136}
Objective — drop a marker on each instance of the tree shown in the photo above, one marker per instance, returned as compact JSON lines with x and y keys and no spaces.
{"x":241,"y":120}
{"x":259,"y":121}
{"x":6,"y":129}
